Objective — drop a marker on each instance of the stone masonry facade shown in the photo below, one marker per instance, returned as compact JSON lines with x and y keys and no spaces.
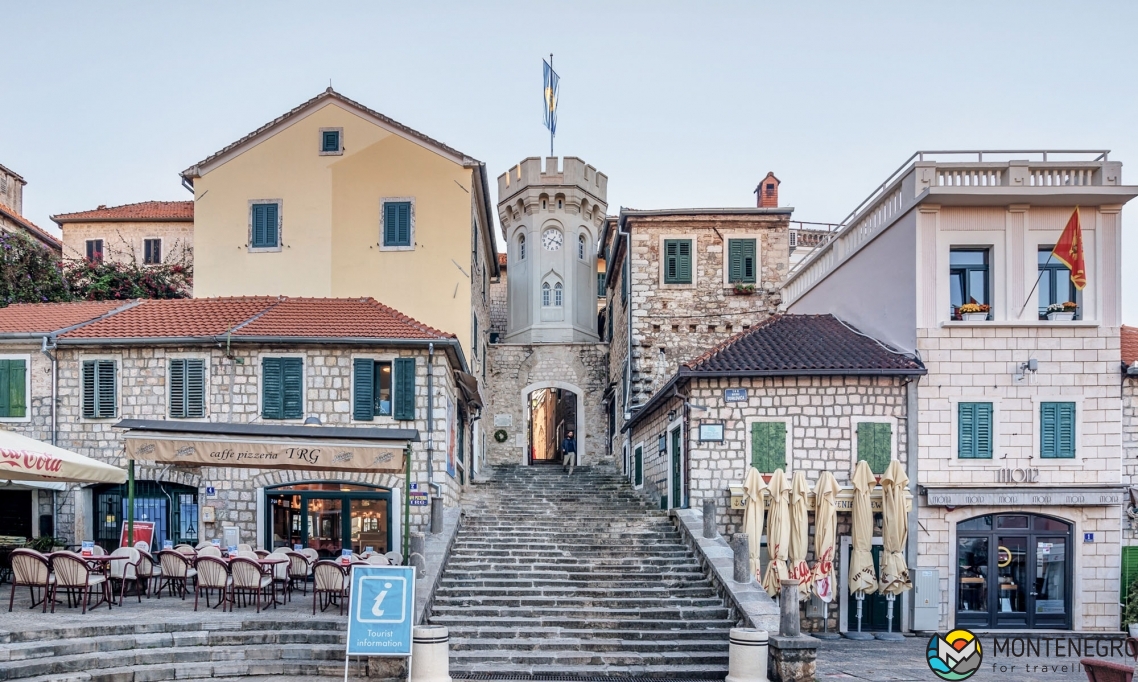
{"x":125,"y":241}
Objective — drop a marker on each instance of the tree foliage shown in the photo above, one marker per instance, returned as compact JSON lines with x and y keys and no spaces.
{"x":116,"y":280}
{"x":29,"y":273}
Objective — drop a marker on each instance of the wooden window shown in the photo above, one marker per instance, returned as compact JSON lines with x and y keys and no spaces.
{"x":974,"y":430}
{"x":152,"y":251}
{"x":13,"y":388}
{"x":282,"y":388}
{"x":95,"y":250}
{"x":768,"y":446}
{"x":397,"y":223}
{"x":404,"y":389}
{"x":266,"y":227}
{"x":1057,"y":430}
{"x":187,"y":389}
{"x":875,"y":445}
{"x":741,"y":261}
{"x":99,"y":390}
{"x":677,"y":261}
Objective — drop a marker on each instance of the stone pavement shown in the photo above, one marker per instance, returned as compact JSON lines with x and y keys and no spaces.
{"x":903,"y":661}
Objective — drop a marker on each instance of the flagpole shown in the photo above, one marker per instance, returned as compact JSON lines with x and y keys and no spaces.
{"x":551,"y":127}
{"x":1039,"y":277}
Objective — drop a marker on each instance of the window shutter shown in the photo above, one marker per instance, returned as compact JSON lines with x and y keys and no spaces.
{"x":404,"y":224}
{"x":258,"y":225}
{"x":684,"y":262}
{"x":966,"y":430}
{"x":105,"y":388}
{"x":1048,"y":427}
{"x":873,"y":445}
{"x":749,"y":260}
{"x":404,"y":380}
{"x":195,"y":388}
{"x":272,"y":399}
{"x":17,"y":382}
{"x":735,"y":260}
{"x":1065,"y":438}
{"x":89,"y":389}
{"x":1129,"y":569}
{"x":177,"y":389}
{"x":5,"y":388}
{"x":768,"y":446}
{"x":363,"y":392}
{"x":671,"y":261}
{"x":983,"y":430}
{"x":292,"y":381}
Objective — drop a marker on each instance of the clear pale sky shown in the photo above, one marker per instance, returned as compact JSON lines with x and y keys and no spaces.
{"x":681,"y":104}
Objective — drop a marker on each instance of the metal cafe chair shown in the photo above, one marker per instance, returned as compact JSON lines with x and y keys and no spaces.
{"x":1099,"y":670}
{"x":75,"y":577}
{"x":176,"y":572}
{"x":249,"y":578}
{"x":148,"y":571}
{"x":329,"y":579}
{"x":125,"y":570}
{"x":213,"y":574}
{"x":298,"y":570}
{"x":31,"y":569}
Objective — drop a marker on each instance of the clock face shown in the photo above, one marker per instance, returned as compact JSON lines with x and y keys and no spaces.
{"x":551,"y":239}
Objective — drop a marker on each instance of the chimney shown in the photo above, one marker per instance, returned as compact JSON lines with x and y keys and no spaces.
{"x":767,"y":191}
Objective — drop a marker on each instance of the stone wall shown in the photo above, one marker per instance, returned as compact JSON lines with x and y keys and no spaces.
{"x":516,"y":369}
{"x":11,"y":191}
{"x":498,"y":305}
{"x":232,"y":395}
{"x":124,"y":241}
{"x":1130,"y":430}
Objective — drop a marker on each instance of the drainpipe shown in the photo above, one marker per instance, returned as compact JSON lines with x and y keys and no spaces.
{"x":627,"y":272}
{"x":46,"y":350}
{"x":912,"y":457}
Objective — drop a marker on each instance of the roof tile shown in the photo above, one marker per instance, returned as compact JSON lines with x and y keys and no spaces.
{"x":35,"y":230}
{"x":44,"y":318}
{"x":803,"y":344}
{"x":176,"y":318}
{"x":142,"y":211}
{"x":1129,"y":345}
{"x":338,"y":317}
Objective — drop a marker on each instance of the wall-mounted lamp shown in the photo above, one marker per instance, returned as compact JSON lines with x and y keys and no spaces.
{"x":1032,"y":365}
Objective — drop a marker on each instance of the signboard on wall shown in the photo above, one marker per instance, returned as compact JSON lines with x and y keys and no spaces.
{"x":143,"y":532}
{"x":734,"y":395}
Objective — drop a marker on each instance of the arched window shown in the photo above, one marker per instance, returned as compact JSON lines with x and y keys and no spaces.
{"x":545,"y":294}
{"x":557,"y":295}
{"x":581,"y":247}
{"x":522,"y":247}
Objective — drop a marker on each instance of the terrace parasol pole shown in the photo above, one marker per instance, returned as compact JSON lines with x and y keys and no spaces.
{"x":130,"y":503}
{"x":407,"y":504}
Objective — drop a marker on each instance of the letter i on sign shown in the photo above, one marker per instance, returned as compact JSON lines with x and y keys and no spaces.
{"x":375,"y":610}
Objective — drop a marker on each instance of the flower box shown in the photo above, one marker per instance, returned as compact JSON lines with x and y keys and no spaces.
{"x":973,"y":317}
{"x":744,"y":289}
{"x":974,"y":312}
{"x":1061,"y":316}
{"x":1062,"y":312}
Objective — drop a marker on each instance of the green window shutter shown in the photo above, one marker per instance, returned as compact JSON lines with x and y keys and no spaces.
{"x":984,"y":430}
{"x":88,"y":380}
{"x":177,"y":389}
{"x":264,"y":226}
{"x":741,"y":261}
{"x":404,"y":388}
{"x":677,"y":261}
{"x":768,"y":446}
{"x":1129,"y":569}
{"x":363,"y":391}
{"x":974,"y":430}
{"x":292,"y":382}
{"x":5,"y":388}
{"x":685,"y":262}
{"x":104,"y":388}
{"x":873,"y":445}
{"x":195,"y":388}
{"x":397,"y":223}
{"x":331,"y":141}
{"x":1057,"y":430}
{"x":639,"y":467}
{"x":17,"y":386}
{"x":405,"y":223}
{"x":272,"y":394}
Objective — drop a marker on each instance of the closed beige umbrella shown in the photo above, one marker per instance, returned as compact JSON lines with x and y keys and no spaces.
{"x":825,"y":525}
{"x":799,"y":534}
{"x":778,"y":534}
{"x":27,"y":459}
{"x":862,"y":576}
{"x":896,"y":501}
{"x":753,"y":487}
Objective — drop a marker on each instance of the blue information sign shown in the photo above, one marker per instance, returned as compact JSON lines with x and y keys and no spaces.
{"x":381,"y":610}
{"x":734,"y":395}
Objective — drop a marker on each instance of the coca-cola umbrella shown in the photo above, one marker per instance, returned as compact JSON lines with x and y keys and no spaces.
{"x":27,"y":459}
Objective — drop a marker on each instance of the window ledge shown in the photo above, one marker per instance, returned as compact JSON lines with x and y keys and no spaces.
{"x":1020,"y":323}
{"x":264,"y":249}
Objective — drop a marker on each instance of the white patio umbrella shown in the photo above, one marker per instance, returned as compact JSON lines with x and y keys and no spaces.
{"x":27,"y":459}
{"x":825,"y":524}
{"x":753,"y":488}
{"x":896,"y":503}
{"x":799,"y":535}
{"x":863,"y":578}
{"x":778,"y":534}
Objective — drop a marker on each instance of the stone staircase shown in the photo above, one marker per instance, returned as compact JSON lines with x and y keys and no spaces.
{"x":555,"y":576}
{"x":216,"y":649}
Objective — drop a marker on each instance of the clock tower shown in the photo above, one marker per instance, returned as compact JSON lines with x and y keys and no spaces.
{"x":551,"y":220}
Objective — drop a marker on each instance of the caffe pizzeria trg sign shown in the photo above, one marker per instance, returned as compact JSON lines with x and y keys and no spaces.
{"x":265,"y":453}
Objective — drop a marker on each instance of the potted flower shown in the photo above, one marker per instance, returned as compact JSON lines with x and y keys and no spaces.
{"x":1062,"y":312}
{"x":974,"y":311}
{"x":744,"y":289}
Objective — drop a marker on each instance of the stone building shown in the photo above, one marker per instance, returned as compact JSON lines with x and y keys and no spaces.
{"x":1019,"y":419}
{"x":12,"y":208}
{"x":147,"y":233}
{"x":1129,"y":343}
{"x":796,"y":392}
{"x":692,"y":278}
{"x":223,"y":373}
{"x":550,"y":349}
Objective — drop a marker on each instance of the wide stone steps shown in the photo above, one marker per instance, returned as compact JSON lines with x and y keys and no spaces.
{"x":575,"y":575}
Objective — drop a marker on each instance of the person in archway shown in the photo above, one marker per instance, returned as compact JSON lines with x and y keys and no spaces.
{"x":569,"y":451}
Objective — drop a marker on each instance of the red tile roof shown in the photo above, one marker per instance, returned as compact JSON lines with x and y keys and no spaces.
{"x":501,"y":260}
{"x":43,"y":318}
{"x":1129,"y":345}
{"x":34,"y":230}
{"x":250,"y":316}
{"x":145,"y":211}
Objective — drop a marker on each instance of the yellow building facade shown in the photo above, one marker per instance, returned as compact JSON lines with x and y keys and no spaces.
{"x":364,"y":206}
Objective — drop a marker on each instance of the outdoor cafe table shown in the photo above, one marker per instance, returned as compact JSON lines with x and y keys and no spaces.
{"x":97,"y":564}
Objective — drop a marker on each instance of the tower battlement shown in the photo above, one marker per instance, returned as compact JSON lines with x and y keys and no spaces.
{"x":572,"y":172}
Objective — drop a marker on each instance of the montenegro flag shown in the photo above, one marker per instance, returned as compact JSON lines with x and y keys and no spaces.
{"x":1069,"y":251}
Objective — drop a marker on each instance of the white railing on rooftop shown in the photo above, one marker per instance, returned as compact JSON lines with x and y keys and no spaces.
{"x":1001,"y":168}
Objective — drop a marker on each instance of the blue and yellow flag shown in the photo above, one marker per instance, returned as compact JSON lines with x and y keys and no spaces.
{"x":551,"y":81}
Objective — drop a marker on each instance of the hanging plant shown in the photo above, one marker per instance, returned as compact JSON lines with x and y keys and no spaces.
{"x":501,"y":436}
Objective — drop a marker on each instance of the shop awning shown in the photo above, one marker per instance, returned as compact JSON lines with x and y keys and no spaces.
{"x":267,"y":446}
{"x":27,"y":459}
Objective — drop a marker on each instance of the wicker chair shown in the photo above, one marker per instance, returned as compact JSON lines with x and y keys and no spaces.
{"x":209,"y":550}
{"x":32,"y":570}
{"x":261,"y":553}
{"x":280,"y":573}
{"x":98,"y":551}
{"x":176,"y":572}
{"x":188,"y":550}
{"x":378,"y":560}
{"x":395,"y":558}
{"x":329,"y":579}
{"x":250,"y":579}
{"x":213,"y":574}
{"x":242,"y":547}
{"x":298,"y":570}
{"x":125,"y":571}
{"x":142,"y":546}
{"x":203,"y":544}
{"x":312,"y":555}
{"x":75,"y":577}
{"x":148,"y":571}
{"x":1106,"y":671}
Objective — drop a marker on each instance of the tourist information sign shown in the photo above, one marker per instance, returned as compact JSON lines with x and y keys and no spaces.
{"x":381,"y":610}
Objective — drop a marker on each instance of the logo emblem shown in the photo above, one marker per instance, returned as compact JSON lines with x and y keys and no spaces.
{"x":956,"y":656}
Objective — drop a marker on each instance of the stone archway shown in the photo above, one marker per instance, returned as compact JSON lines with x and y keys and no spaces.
{"x":579,"y":426}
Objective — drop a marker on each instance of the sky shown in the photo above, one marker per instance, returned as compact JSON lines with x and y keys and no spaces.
{"x":680,"y":104}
